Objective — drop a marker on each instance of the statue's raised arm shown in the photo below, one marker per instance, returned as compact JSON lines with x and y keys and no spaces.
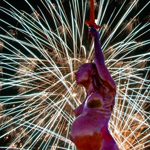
{"x":100,"y":62}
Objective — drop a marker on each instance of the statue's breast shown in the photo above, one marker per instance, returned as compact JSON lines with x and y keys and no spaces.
{"x":100,"y":101}
{"x":94,"y":101}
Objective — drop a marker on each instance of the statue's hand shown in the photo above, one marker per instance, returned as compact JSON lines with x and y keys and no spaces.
{"x":93,"y":32}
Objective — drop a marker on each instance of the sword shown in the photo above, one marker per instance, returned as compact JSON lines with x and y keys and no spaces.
{"x":92,"y":16}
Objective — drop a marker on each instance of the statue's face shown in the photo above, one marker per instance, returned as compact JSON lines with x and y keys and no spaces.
{"x":83,"y":74}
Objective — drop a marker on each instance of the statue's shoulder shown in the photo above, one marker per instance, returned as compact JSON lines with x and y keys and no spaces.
{"x":107,"y":91}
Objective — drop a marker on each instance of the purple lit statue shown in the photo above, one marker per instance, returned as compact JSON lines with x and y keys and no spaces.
{"x":90,"y":128}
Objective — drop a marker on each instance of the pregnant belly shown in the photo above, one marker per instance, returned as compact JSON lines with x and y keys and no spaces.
{"x":85,"y":132}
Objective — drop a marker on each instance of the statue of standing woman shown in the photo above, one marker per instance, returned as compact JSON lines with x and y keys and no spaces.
{"x":90,"y":128}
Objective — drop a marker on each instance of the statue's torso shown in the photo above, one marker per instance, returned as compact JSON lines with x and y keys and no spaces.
{"x":100,"y":102}
{"x":87,"y":127}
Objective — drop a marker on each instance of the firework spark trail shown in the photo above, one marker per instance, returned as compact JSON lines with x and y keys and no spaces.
{"x":43,"y":69}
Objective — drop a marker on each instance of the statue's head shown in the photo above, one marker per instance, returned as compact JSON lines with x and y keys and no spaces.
{"x":86,"y":73}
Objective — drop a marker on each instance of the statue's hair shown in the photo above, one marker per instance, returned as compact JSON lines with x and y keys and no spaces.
{"x":90,"y":65}
{"x":96,"y":78}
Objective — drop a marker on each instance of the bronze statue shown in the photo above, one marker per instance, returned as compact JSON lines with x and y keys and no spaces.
{"x":90,"y":128}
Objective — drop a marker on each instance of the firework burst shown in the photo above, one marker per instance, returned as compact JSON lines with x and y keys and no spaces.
{"x":39,"y":56}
